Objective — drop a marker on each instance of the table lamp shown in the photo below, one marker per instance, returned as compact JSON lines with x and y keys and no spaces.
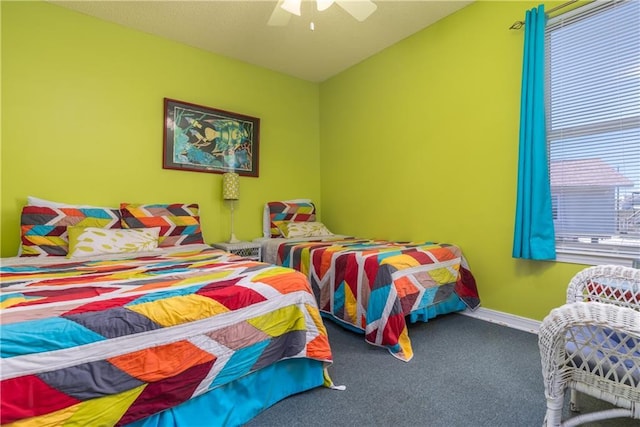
{"x":231,"y":193}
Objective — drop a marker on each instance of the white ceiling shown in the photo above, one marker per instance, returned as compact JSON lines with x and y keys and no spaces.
{"x":238,"y":29}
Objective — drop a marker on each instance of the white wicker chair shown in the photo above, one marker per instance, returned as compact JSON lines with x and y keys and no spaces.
{"x":592,"y":345}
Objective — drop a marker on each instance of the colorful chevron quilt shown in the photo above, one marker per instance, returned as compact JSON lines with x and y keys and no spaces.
{"x":108,"y":342}
{"x":371,"y":285}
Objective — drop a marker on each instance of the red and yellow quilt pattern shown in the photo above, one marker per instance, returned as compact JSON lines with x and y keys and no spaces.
{"x":110,"y":342}
{"x":372,"y":285}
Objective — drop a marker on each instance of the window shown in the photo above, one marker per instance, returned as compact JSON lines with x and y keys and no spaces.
{"x":593,"y":132}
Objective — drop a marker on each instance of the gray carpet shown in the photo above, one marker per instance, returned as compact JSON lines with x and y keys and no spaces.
{"x":465,"y":372}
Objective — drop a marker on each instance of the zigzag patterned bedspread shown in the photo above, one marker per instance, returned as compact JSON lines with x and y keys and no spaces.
{"x":372,"y":285}
{"x":109,"y":342}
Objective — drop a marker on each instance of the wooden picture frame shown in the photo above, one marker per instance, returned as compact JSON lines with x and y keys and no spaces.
{"x":205,"y":139}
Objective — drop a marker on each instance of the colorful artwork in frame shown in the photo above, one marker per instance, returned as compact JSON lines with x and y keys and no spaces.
{"x":205,"y":139}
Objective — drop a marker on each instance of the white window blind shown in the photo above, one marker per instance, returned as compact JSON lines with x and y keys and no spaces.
{"x":593,"y":131}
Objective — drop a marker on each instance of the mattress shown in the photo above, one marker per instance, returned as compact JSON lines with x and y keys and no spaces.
{"x":374,"y":286}
{"x":120,"y":339}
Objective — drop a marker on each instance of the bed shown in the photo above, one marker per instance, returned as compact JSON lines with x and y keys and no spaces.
{"x":164,"y":334}
{"x":371,"y":286}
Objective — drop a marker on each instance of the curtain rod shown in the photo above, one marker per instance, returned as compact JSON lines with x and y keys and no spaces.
{"x":519,"y":24}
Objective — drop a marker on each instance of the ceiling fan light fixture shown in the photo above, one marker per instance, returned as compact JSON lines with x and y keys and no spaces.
{"x":323,"y":4}
{"x":359,"y":9}
{"x":292,"y":6}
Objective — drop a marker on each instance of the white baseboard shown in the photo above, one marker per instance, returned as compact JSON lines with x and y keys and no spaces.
{"x":504,"y":319}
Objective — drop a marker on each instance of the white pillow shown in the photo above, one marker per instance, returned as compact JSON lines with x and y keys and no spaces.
{"x":90,"y":241}
{"x":291,"y":229}
{"x":35,"y":201}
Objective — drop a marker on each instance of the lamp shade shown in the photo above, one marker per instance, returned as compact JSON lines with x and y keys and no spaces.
{"x":230,"y":186}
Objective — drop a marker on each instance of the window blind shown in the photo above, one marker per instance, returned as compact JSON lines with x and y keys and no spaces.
{"x":593,"y":131}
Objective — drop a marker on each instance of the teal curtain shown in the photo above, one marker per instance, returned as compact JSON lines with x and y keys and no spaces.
{"x":534,"y":236}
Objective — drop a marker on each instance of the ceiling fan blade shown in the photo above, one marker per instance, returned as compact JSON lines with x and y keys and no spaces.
{"x":323,"y":4}
{"x":279,"y":16}
{"x":292,"y":6}
{"x":359,"y":9}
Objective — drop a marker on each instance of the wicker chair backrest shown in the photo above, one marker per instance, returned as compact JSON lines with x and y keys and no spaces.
{"x":611,"y":284}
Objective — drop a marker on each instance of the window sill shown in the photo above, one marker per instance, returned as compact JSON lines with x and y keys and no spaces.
{"x":596,"y":259}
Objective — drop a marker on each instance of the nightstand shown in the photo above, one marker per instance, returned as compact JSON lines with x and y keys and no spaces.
{"x":250,"y":250}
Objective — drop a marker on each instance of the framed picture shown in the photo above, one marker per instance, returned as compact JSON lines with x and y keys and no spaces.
{"x":204,"y":139}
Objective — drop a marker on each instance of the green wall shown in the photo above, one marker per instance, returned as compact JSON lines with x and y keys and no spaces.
{"x":421,"y":142}
{"x":82,"y":116}
{"x":417,"y":142}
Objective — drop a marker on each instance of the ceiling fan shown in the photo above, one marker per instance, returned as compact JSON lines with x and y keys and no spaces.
{"x":359,"y":9}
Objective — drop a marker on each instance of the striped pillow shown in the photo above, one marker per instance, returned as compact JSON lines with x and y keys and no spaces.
{"x":287,"y":211}
{"x":43,"y":229}
{"x":179,"y":223}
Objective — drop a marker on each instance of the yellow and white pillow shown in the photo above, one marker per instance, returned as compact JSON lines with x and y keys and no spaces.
{"x":90,"y":241}
{"x":290,"y":229}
